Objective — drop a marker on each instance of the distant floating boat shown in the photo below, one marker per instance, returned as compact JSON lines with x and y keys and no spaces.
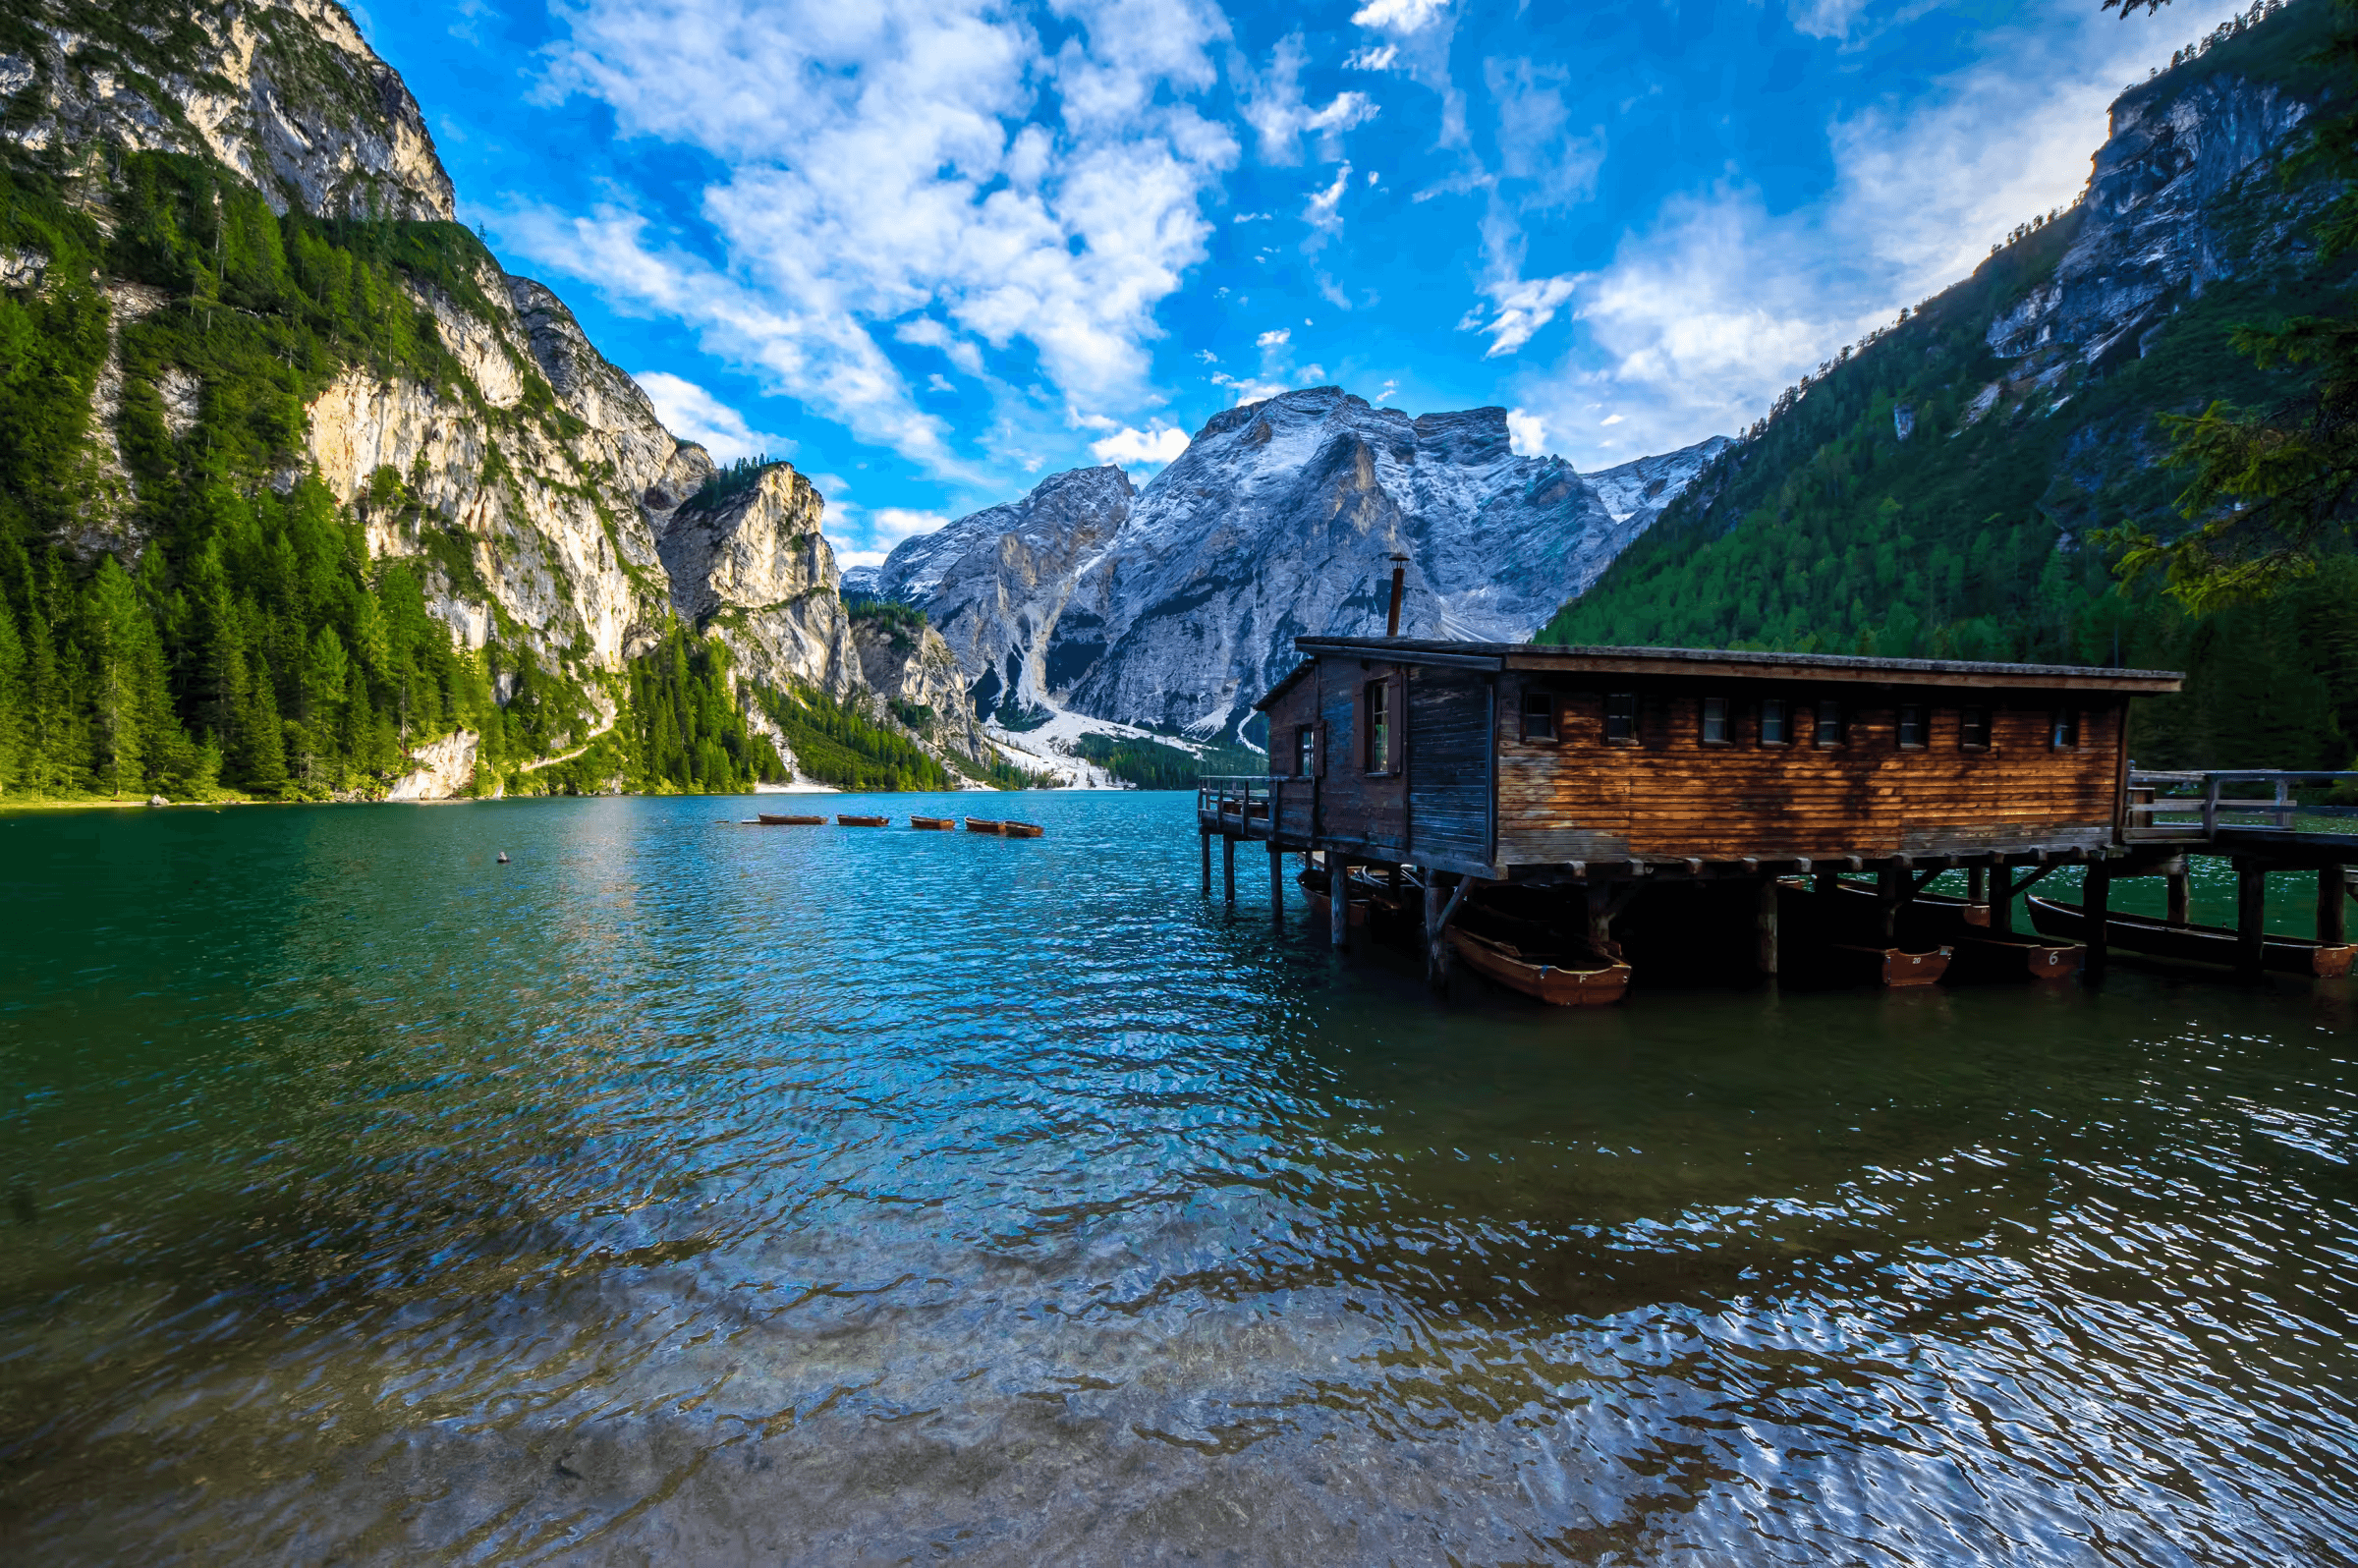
{"x":864,"y":821}
{"x":1024,"y":829}
{"x":768,"y":819}
{"x":984,"y":824}
{"x":935,"y":824}
{"x":2200,"y":944}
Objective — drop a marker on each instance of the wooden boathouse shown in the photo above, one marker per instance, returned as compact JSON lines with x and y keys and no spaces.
{"x":1457,"y":766}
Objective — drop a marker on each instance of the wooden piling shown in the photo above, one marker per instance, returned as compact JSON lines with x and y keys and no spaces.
{"x":2002,"y":900}
{"x":1228,"y":866}
{"x":2333,"y":911}
{"x":1338,"y":900}
{"x":2096,"y":899}
{"x":1600,"y":914}
{"x":1890,"y":893}
{"x":1432,"y":931}
{"x":1976,"y":884}
{"x":1276,"y":884}
{"x":1206,"y":835}
{"x":2181,"y":885}
{"x":1764,"y":925}
{"x":2251,"y":916}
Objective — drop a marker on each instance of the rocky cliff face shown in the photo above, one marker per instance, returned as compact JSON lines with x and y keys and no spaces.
{"x":551,"y":510}
{"x":2151,"y":232}
{"x":1177,"y":605}
{"x":285,"y":92}
{"x":749,"y":564}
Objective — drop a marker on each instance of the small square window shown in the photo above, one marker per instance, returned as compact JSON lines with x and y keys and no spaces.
{"x":1973,"y":729}
{"x":1621,"y":716}
{"x":1829,"y":729}
{"x":2066,"y":731}
{"x":1305,"y":751}
{"x":1772,"y":723}
{"x":1539,"y":715}
{"x":1714,"y":721}
{"x":1911,"y":725}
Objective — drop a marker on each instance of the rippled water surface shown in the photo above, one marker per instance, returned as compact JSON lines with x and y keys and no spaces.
{"x":688,"y":1195}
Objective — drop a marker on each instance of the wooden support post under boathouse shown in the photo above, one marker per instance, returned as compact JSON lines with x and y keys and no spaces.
{"x":1462,"y":790}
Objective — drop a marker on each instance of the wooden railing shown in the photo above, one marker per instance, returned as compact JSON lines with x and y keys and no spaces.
{"x":2196,"y":801}
{"x":1246,"y":797}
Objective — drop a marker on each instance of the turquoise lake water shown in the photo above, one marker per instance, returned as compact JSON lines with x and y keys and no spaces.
{"x":686,"y":1194}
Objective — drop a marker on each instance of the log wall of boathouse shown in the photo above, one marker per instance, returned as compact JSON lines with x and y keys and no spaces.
{"x":1667,"y":792}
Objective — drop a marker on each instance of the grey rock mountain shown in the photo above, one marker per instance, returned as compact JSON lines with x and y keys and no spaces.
{"x":285,"y":92}
{"x":2149,"y":232}
{"x":1177,"y":605}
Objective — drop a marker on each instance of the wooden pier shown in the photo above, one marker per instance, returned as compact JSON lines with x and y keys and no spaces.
{"x":1455,"y":770}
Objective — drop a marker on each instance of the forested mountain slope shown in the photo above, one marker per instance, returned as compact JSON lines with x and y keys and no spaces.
{"x":1934,"y":493}
{"x":296,"y":480}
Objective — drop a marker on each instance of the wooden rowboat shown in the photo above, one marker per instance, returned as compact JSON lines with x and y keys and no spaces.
{"x":1023,"y":829}
{"x":935,"y":824}
{"x":984,"y":824}
{"x":1895,"y":966}
{"x":1559,"y":977}
{"x":770,"y":819}
{"x":1977,"y":953}
{"x":862,"y":821}
{"x":2194,"y":944}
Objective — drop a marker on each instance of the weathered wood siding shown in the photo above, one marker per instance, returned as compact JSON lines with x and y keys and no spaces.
{"x":1449,"y":764}
{"x":1670,"y":795}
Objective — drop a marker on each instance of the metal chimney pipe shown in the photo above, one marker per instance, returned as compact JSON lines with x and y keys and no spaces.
{"x":1391,"y":619}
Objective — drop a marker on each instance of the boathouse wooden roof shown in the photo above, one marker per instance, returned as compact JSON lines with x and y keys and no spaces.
{"x":1727,"y":664}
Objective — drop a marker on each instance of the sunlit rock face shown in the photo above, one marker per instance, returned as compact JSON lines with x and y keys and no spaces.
{"x":285,"y":92}
{"x":1177,"y":605}
{"x":2150,"y":228}
{"x":749,"y":564}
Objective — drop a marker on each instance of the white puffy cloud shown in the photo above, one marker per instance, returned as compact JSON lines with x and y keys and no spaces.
{"x":929,"y":172}
{"x":1525,"y":433}
{"x":1274,"y":337}
{"x":1159,"y":443}
{"x":693,"y":414}
{"x":1399,"y":15}
{"x":1375,"y":57}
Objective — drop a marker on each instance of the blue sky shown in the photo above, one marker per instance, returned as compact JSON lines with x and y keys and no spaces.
{"x":934,"y":250}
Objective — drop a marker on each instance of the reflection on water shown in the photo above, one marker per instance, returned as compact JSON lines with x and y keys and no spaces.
{"x":699,"y":1195}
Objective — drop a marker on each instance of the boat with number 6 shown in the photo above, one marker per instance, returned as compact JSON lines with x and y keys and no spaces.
{"x":2195,"y":944}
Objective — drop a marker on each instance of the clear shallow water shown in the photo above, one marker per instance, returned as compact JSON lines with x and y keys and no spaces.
{"x":678,"y":1194}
